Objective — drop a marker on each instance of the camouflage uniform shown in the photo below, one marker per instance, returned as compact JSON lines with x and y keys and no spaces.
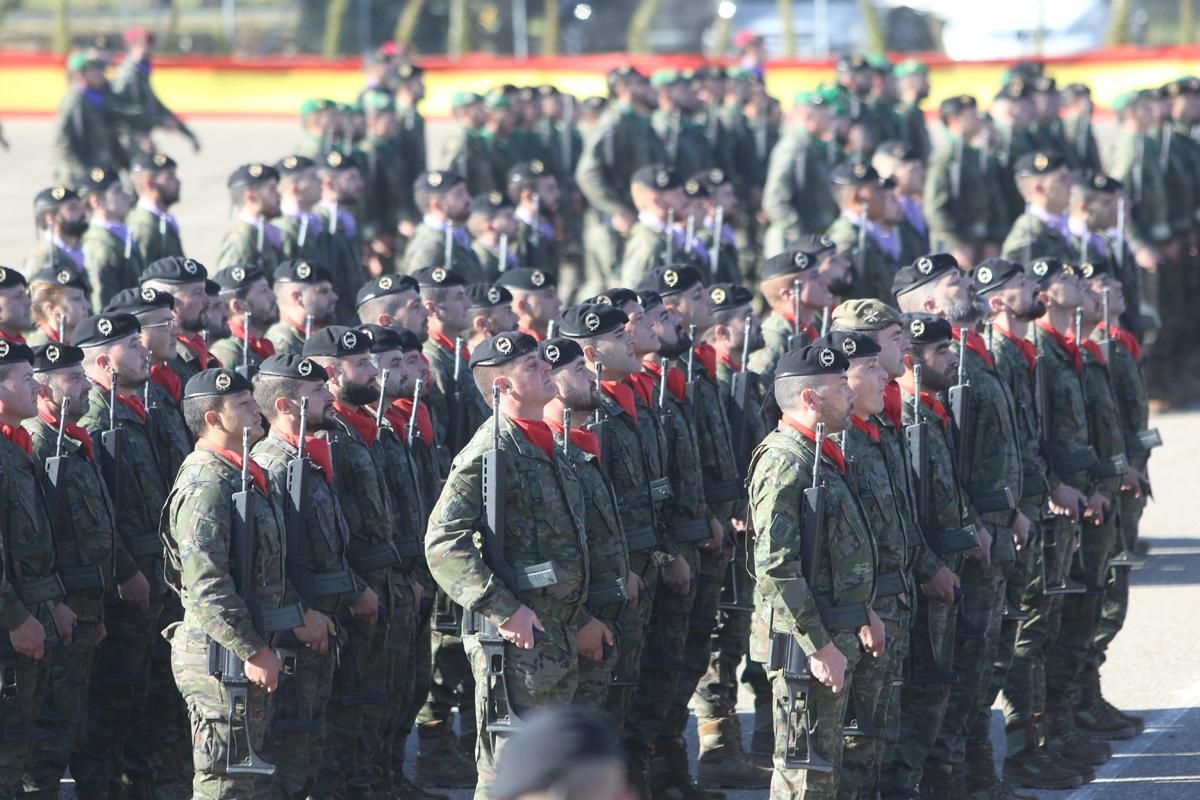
{"x":1031,"y":237}
{"x":776,"y":332}
{"x":285,"y":337}
{"x":688,"y":149}
{"x":240,"y":246}
{"x":108,"y":268}
{"x":797,"y":198}
{"x":85,"y":137}
{"x":291,"y":225}
{"x":874,"y":268}
{"x":1081,"y":151}
{"x":157,"y":235}
{"x":427,"y":248}
{"x":340,"y":255}
{"x":956,"y":202}
{"x":544,"y":515}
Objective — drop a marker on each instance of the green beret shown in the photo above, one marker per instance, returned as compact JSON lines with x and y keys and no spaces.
{"x":909,"y":67}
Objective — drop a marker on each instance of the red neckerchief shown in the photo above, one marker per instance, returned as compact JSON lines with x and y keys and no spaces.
{"x":1027,"y":348}
{"x":362,"y":421}
{"x":448,"y":345}
{"x":300,"y":328}
{"x":256,"y":472}
{"x":977,"y":346}
{"x":807,"y":328}
{"x":538,"y":433}
{"x":676,"y":382}
{"x":1125,"y":338}
{"x":537,"y":337}
{"x":1094,"y":349}
{"x":196,"y":344}
{"x":623,"y":394}
{"x":893,"y":406}
{"x":315,"y":449}
{"x":729,"y":362}
{"x":12,"y":337}
{"x":400,"y":411}
{"x":260,"y":347}
{"x":933,"y":404}
{"x":71,"y":429}
{"x":18,"y":436}
{"x":866,"y":426}
{"x":707,"y":357}
{"x":1063,"y":342}
{"x":169,"y":380}
{"x":50,"y":332}
{"x":131,"y":401}
{"x":643,"y":384}
{"x":829,"y":447}
{"x":584,"y":440}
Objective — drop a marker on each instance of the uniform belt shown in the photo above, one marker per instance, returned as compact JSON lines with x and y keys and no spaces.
{"x":536,"y":576}
{"x":40,"y":590}
{"x":844,"y":618}
{"x":272,"y":620}
{"x":607,"y":593}
{"x":722,"y":491}
{"x":1111,"y":467}
{"x":332,"y":583}
{"x":144,"y":546}
{"x":693,"y":530}
{"x":1143,"y":441}
{"x":660,"y":490}
{"x":555,"y":609}
{"x":889,"y":584}
{"x":372,"y":557}
{"x":1075,"y":461}
{"x":996,"y":500}
{"x":80,"y":579}
{"x":640,"y":538}
{"x":408,"y":548}
{"x":955,"y":540}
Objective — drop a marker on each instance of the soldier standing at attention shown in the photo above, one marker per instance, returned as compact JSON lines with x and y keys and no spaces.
{"x":299,"y":227}
{"x":912,"y":84}
{"x":60,"y":220}
{"x":783,"y":275}
{"x":248,"y":298}
{"x":307,"y":303}
{"x":184,"y":279}
{"x":489,"y":309}
{"x":443,"y":199}
{"x":490,"y":218}
{"x":112,"y":258}
{"x":409,"y":91}
{"x":957,"y":203}
{"x":1042,"y":231}
{"x":866,"y":201}
{"x":252,"y":239}
{"x":796,"y":196}
{"x":657,"y":194}
{"x":394,"y":301}
{"x":341,"y":191}
{"x":543,"y":507}
{"x":534,"y":190}
{"x":157,"y":186}
{"x":535,"y":299}
{"x":58,"y":300}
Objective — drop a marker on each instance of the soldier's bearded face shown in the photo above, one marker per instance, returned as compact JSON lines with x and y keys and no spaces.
{"x":357,"y":381}
{"x":239,"y":411}
{"x":264,"y":309}
{"x":321,"y":301}
{"x":116,"y":202}
{"x":939,"y":366}
{"x":71,"y":383}
{"x":576,"y":387}
{"x":167,"y":183}
{"x":128,"y":357}
{"x":640,"y":329}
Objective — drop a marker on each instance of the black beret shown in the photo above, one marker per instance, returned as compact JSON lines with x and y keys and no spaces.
{"x":52,"y":356}
{"x":1099,"y":182}
{"x":670,"y":279}
{"x":299,"y":270}
{"x":527,"y":279}
{"x":648,"y":298}
{"x":53,"y":197}
{"x":438,"y":277}
{"x":290,"y":165}
{"x":292,"y":366}
{"x":712,"y":178}
{"x":725,"y":296}
{"x":927,"y":329}
{"x":811,"y":359}
{"x":526,"y":171}
{"x":153,"y":162}
{"x":657,"y":177}
{"x":98,"y":180}
{"x":1076,"y":90}
{"x":409,"y":72}
{"x":592,"y":319}
{"x":853,"y":173}
{"x":437,"y":181}
{"x":552,"y":743}
{"x":560,"y":351}
{"x":851,"y":344}
{"x":216,"y":383}
{"x":898,"y":150}
{"x":789,"y":262}
{"x":817,"y":244}
{"x":10,"y":277}
{"x":993,"y":273}
{"x":502,"y":348}
{"x":338,"y":341}
{"x":615,"y":297}
{"x":1014,"y":89}
{"x":174,"y":269}
{"x":693,"y":187}
{"x":104,"y":328}
{"x":408,"y":340}
{"x":237,"y":277}
{"x":490,"y":203}
{"x":1044,"y":270}
{"x":251,"y":175}
{"x":212,"y":288}
{"x":952,"y":106}
{"x":922,"y":271}
{"x":848,"y":62}
{"x":14,"y":352}
{"x":1039,"y":162}
{"x":383,"y":338}
{"x":337,"y":162}
{"x":1087,"y":270}
{"x":62,"y":276}
{"x":485,"y":295}
{"x":385,"y":285}
{"x":138,"y":301}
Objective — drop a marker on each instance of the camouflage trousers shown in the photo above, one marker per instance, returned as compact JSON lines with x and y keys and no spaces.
{"x":631,"y":626}
{"x":117,"y":699}
{"x":296,"y":736}
{"x":207,"y":703}
{"x":974,"y":651}
{"x":662,"y":661}
{"x":169,"y":722}
{"x":716,"y":694}
{"x":422,"y":670}
{"x":404,"y":622}
{"x":892,"y":688}
{"x":872,"y":695}
{"x":1115,"y":603}
{"x":1015,"y":586}
{"x":827,"y":711}
{"x":546,"y":675}
{"x":451,"y":685}
{"x":64,"y":711}
{"x":601,"y":253}
{"x":698,"y":646}
{"x":595,"y":677}
{"x":18,"y":720}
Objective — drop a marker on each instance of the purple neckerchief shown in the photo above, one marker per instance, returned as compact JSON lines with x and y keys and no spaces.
{"x":94,"y":96}
{"x":315,"y":226}
{"x":170,"y":218}
{"x":347,"y":226}
{"x":697,"y":248}
{"x":726,"y":231}
{"x":1096,"y":242}
{"x":461,"y":238}
{"x":914,"y":214}
{"x":271,"y":234}
{"x":545,"y":229}
{"x":1058,"y":224}
{"x":75,"y":253}
{"x":118,"y":230}
{"x":886,"y":240}
{"x":144,"y":66}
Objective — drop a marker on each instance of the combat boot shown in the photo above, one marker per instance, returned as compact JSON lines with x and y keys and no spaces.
{"x":937,"y":783}
{"x":1062,"y":738}
{"x":1028,"y":764}
{"x":762,"y":741}
{"x":405,"y":789}
{"x":1139,"y":723}
{"x":669,"y":777}
{"x":980,"y":771}
{"x":1001,"y":790}
{"x":139,"y":787}
{"x":1093,"y":717}
{"x":440,"y":759}
{"x":722,"y":762}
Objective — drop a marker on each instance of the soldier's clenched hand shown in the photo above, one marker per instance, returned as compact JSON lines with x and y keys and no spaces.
{"x":136,"y":591}
{"x":872,"y":635}
{"x":635,"y":584}
{"x":941,"y":586}
{"x":1020,"y":531}
{"x":1065,"y":502}
{"x":64,"y":621}
{"x":366,"y":607}
{"x":262,"y":669}
{"x":828,"y":665}
{"x":716,"y":539}
{"x":677,"y":575}
{"x":982,"y":553}
{"x":518,"y":629}
{"x":29,"y":638}
{"x":590,"y":639}
{"x":316,"y":631}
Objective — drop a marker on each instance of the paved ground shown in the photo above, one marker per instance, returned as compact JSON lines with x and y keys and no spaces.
{"x":1155,"y":664}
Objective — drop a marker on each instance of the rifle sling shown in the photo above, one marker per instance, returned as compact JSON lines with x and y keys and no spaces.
{"x":607,"y":593}
{"x":39,"y":590}
{"x":694,"y":530}
{"x":890,"y":584}
{"x":996,"y":500}
{"x":723,"y":491}
{"x":371,"y":558}
{"x":640,"y":538}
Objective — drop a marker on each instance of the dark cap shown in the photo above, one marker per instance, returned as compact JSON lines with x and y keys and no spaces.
{"x":922,"y":271}
{"x":529,"y":279}
{"x":657,"y":177}
{"x":153,"y":162}
{"x":438,"y":181}
{"x":338,"y":341}
{"x":811,"y":359}
{"x":853,"y":173}
{"x":898,"y":150}
{"x":550,"y":744}
{"x":648,"y":298}
{"x":1044,"y":270}
{"x":502,"y":348}
{"x":489,"y":204}
{"x":383,"y":338}
{"x":52,"y":356}
{"x":527,"y":171}
{"x":136,"y":301}
{"x":253,"y":174}
{"x":53,"y":197}
{"x":1087,"y":270}
{"x":693,"y":188}
{"x":616,"y":297}
{"x":790,"y":262}
{"x":1014,"y":89}
{"x":560,"y":351}
{"x":993,"y":273}
{"x":592,"y":319}
{"x":61,"y":276}
{"x":14,"y":352}
{"x":851,"y":62}
{"x":385,"y":285}
{"x":300,"y":270}
{"x":1073,"y":91}
{"x":105,"y":328}
{"x":409,"y":342}
{"x":176,"y":270}
{"x":725,"y":296}
{"x":670,"y":279}
{"x":927,"y":329}
{"x":290,"y":165}
{"x":712,"y":178}
{"x":851,"y":344}
{"x":1039,"y":162}
{"x":10,"y":277}
{"x":1099,"y":182}
{"x":98,"y":180}
{"x":952,"y":106}
{"x":337,"y":162}
{"x":865,"y":314}
{"x":216,"y":383}
{"x":293,"y":366}
{"x":485,"y":295}
{"x":438,"y":278}
{"x":237,"y":277}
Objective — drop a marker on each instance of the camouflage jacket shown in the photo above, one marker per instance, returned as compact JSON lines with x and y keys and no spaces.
{"x":776,"y":333}
{"x":957,"y":202}
{"x":290,"y":227}
{"x":474,"y":408}
{"x":1065,"y":428}
{"x":722,"y":481}
{"x":629,"y":456}
{"x":29,"y":547}
{"x":410,"y":138}
{"x":1135,"y":165}
{"x":427,"y":248}
{"x":688,"y":512}
{"x":387,"y":180}
{"x":873,"y":268}
{"x":1081,"y":152}
{"x":780,"y":470}
{"x":913,"y":130}
{"x":755,"y":425}
{"x":403,"y":487}
{"x":169,"y":434}
{"x":287,"y":339}
{"x":197,"y":524}
{"x":156,"y":236}
{"x":893,"y":451}
{"x":1104,"y":425}
{"x":726,"y":268}
{"x":465,"y":151}
{"x":186,"y":363}
{"x":341,"y":257}
{"x":686,"y":143}
{"x":108,"y":269}
{"x":1129,"y":390}
{"x":1032,"y":238}
{"x":230,"y":352}
{"x":797,"y":198}
{"x":622,"y":142}
{"x":1017,"y":373}
{"x":85,"y":137}
{"x":240,"y":245}
{"x":544,"y":522}
{"x":543,"y":254}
